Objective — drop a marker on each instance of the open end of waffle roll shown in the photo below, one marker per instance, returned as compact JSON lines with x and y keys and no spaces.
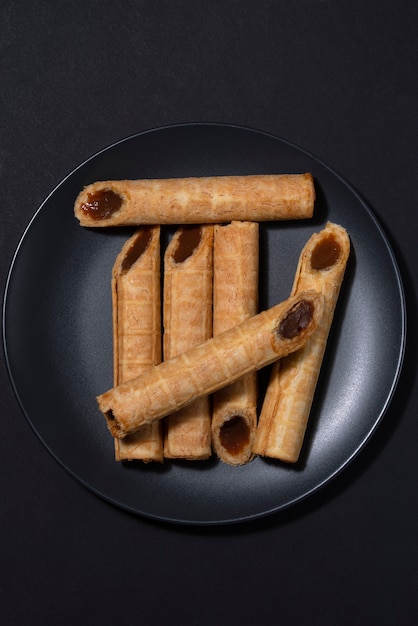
{"x":188,"y":270}
{"x":287,"y":404}
{"x":235,"y":298}
{"x":196,"y":200}
{"x":137,"y":330}
{"x":212,"y":365}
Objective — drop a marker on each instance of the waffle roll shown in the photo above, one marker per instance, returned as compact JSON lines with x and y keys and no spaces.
{"x":136,"y":312}
{"x":287,"y":404}
{"x":235,"y":298}
{"x":216,"y":363}
{"x":187,"y":319}
{"x":196,"y":200}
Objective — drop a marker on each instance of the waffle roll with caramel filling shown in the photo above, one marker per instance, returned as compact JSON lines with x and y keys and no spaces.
{"x":187,"y":320}
{"x":136,"y":307}
{"x":287,"y":404}
{"x":196,"y":200}
{"x":258,"y":341}
{"x":235,"y":298}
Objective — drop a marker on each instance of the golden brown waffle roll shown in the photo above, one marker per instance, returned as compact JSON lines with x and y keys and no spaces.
{"x":218,"y":362}
{"x":290,"y":392}
{"x":137,"y":330}
{"x":235,"y":298}
{"x":188,"y":271}
{"x":202,"y":200}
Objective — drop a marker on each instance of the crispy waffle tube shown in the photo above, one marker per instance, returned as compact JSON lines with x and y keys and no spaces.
{"x":235,"y":298}
{"x":197,"y":200}
{"x":291,"y":388}
{"x":188,"y":271}
{"x":217,"y":362}
{"x":137,"y":330}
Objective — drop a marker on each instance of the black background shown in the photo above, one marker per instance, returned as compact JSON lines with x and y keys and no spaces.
{"x":337,"y":78}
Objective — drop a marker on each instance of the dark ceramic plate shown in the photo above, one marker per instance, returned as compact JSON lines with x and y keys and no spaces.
{"x":58,"y":340}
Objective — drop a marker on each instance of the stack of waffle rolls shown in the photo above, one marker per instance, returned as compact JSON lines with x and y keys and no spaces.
{"x":198,"y":391}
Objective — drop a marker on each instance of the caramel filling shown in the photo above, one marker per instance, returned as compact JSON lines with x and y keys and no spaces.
{"x":136,"y":249}
{"x":188,"y":241}
{"x":235,"y":435}
{"x":101,"y":204}
{"x":111,"y":422}
{"x":298,"y":318}
{"x":326,"y":253}
{"x":109,"y":415}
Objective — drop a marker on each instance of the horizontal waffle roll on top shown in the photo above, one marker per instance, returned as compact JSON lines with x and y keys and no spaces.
{"x":196,"y":200}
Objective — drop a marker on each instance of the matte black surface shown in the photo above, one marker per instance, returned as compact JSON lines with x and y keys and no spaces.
{"x":61,"y":350}
{"x":339,"y":79}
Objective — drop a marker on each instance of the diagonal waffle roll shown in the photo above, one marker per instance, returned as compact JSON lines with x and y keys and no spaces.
{"x":235,"y":298}
{"x":293,"y":381}
{"x":220,"y":361}
{"x":137,"y":330}
{"x":188,"y":271}
{"x":198,"y":200}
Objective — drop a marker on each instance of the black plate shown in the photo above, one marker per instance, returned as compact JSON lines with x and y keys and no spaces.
{"x":58,"y":342}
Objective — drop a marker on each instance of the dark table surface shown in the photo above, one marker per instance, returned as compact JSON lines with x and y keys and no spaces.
{"x":338,"y":79}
